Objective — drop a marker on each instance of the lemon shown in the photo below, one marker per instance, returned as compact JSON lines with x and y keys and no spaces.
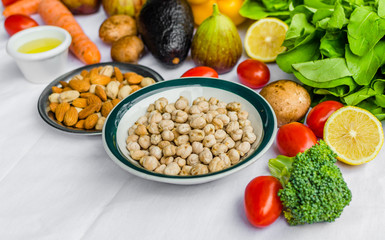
{"x":264,"y":38}
{"x":355,"y":134}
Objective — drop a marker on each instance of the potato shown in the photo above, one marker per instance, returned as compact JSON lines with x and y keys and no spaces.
{"x":289,"y":100}
{"x":116,"y":27}
{"x":128,"y":49}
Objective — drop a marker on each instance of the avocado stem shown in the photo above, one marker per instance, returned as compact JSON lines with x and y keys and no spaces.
{"x":216,"y":11}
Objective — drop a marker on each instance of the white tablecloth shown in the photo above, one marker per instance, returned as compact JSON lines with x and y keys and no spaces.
{"x":55,"y":185}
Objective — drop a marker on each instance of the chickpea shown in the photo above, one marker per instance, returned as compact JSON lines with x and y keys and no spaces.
{"x":166,"y":160}
{"x":210,"y":115}
{"x":199,"y":169}
{"x":216,"y":164}
{"x":133,"y":146}
{"x":205,"y":156}
{"x":243,"y":115}
{"x":220,"y":135}
{"x":132,"y":138}
{"x":224,"y":118}
{"x":222,"y":111}
{"x":209,"y":129}
{"x":236,"y":135}
{"x":137,"y":154}
{"x":182,"y":139}
{"x":221,"y":104}
{"x":198,"y":123}
{"x":219,"y":148}
{"x":244,"y":148}
{"x":180,"y":161}
{"x":249,"y":137}
{"x":244,"y":123}
{"x":168,"y":135}
{"x":248,"y":128}
{"x":162,"y":144}
{"x":166,"y":116}
{"x":183,"y":128}
{"x":196,"y":135}
{"x":155,"y":117}
{"x":144,"y":141}
{"x":166,"y":125}
{"x":209,"y":141}
{"x":229,"y":142}
{"x":213,"y":107}
{"x":199,"y":99}
{"x":150,"y":162}
{"x":184,"y":150}
{"x":142,"y":120}
{"x":197,"y":147}
{"x":169,"y":150}
{"x":203,"y":106}
{"x":172,"y":169}
{"x":213,"y":101}
{"x":233,"y":116}
{"x":131,"y":130}
{"x":185,"y":170}
{"x":160,"y":168}
{"x":181,"y":103}
{"x":233,"y":106}
{"x":232,"y":126}
{"x":153,"y":128}
{"x":194,"y":109}
{"x":160,"y":104}
{"x":155,"y":139}
{"x":169,"y":108}
{"x":156,"y":152}
{"x":179,"y":116}
{"x":141,"y":130}
{"x":176,"y":134}
{"x":218,"y":124}
{"x":193,"y":159}
{"x":234,"y":156}
{"x":225,"y":158}
{"x":151,"y":107}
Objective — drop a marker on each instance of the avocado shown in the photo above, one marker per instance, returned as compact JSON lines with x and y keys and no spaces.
{"x":167,"y":27}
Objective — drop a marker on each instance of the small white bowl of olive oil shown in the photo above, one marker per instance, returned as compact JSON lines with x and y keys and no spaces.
{"x":40,"y":52}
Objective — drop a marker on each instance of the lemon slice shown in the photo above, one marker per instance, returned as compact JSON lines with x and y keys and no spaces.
{"x":264,"y":38}
{"x":355,"y":134}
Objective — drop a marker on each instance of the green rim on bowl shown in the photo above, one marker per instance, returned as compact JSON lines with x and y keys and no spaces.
{"x":269,"y":123}
{"x":43,"y":102}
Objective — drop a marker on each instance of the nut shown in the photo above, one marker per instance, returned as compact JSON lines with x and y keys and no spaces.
{"x":91,"y":121}
{"x":60,"y":111}
{"x":106,"y":108}
{"x":90,"y":109}
{"x":80,"y":102}
{"x":100,"y":80}
{"x":68,"y":96}
{"x":100,"y":92}
{"x":79,"y":85}
{"x":112,"y":89}
{"x":71,"y":117}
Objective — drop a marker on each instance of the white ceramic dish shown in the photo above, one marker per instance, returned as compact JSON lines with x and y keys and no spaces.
{"x":124,"y":115}
{"x":45,"y":66}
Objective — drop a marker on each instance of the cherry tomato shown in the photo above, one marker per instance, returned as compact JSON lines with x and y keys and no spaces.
{"x":8,"y":2}
{"x":293,"y":138}
{"x":253,"y":73}
{"x":18,"y":22}
{"x":319,"y":114}
{"x":201,"y":71}
{"x":262,"y":204}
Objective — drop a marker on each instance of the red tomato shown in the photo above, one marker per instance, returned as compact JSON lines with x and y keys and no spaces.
{"x":18,"y":22}
{"x":319,"y":114}
{"x":293,"y":138}
{"x":201,"y":71}
{"x":253,"y":73}
{"x":8,"y":2}
{"x":262,"y":204}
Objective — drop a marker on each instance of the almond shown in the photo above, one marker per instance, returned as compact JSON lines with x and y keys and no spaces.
{"x":90,"y":109}
{"x":93,"y":99}
{"x":56,"y":89}
{"x":84,"y":73}
{"x":53,"y":106}
{"x":79,"y":85}
{"x":80,"y":103}
{"x":71,"y":117}
{"x":60,"y":111}
{"x":135,"y":88}
{"x":133,"y":78}
{"x":99,"y":91}
{"x":91,"y":121}
{"x":68,"y":88}
{"x":106,"y":108}
{"x":100,"y":80}
{"x":115,"y":101}
{"x":86,"y":95}
{"x":118,"y":74}
{"x":80,"y":124}
{"x":64,"y":84}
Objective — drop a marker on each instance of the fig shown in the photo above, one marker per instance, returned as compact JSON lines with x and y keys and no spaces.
{"x":126,"y":7}
{"x":216,"y":43}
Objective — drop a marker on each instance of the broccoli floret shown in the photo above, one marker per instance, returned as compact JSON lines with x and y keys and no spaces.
{"x":313,"y":187}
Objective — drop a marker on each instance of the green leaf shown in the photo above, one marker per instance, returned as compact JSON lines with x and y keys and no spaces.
{"x":333,"y":44}
{"x":299,"y":28}
{"x":365,"y":67}
{"x":337,"y":20}
{"x":338,"y":91}
{"x":359,"y":96}
{"x":317,"y":4}
{"x":380,"y":100}
{"x":276,"y":5}
{"x":365,"y":29}
{"x":323,"y":70}
{"x":381,"y":8}
{"x":255,"y":10}
{"x":321,"y":14}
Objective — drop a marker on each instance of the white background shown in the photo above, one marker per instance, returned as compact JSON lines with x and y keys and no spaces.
{"x":55,"y":185}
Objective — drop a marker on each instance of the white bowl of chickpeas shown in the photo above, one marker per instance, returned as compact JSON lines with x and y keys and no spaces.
{"x":189,"y":130}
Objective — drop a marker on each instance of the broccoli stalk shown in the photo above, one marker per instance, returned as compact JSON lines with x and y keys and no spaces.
{"x":313,"y":187}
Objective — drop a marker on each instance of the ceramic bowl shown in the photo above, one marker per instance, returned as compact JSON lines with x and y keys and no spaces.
{"x":44,"y":66}
{"x":43,"y":103}
{"x":125,"y":114}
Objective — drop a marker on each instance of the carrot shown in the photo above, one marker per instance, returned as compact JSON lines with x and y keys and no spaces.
{"x":53,"y":12}
{"x":26,"y":7}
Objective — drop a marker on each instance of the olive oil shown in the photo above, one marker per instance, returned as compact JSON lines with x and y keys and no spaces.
{"x":39,"y":45}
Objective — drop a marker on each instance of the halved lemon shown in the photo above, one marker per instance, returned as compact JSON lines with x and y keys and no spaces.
{"x":355,"y":134}
{"x":264,"y":38}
